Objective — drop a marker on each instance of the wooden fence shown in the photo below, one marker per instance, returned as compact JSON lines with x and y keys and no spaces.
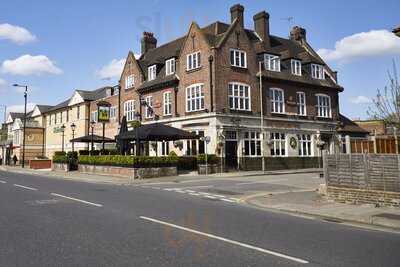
{"x":363,"y":171}
{"x":383,"y":146}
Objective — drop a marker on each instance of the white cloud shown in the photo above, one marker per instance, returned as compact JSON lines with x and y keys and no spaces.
{"x":360,"y":100}
{"x":29,"y":65}
{"x":112,"y":69}
{"x":20,"y":108}
{"x":364,"y":44}
{"x":16,"y":34}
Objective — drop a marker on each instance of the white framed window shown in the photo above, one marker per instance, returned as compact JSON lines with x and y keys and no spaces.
{"x":317,"y":71}
{"x":296,"y":67}
{"x":252,"y":144}
{"x":239,"y":96}
{"x":272,"y":62}
{"x":152,"y":72}
{"x":113,"y":112}
{"x":195,"y":97}
{"x":304,"y":145}
{"x":277,"y":99}
{"x":93,"y":116}
{"x":323,"y":106}
{"x":278,"y":145}
{"x":129,"y":81}
{"x":167,"y":102}
{"x":129,"y":110}
{"x":170,"y":66}
{"x":193,"y":61}
{"x":195,"y":147}
{"x":149,"y":107}
{"x":301,"y":104}
{"x":164,"y":148}
{"x":238,"y":58}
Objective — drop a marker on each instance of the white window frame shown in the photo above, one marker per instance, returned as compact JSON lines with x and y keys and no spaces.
{"x":193,"y":61}
{"x":167,"y":103}
{"x":93,"y":116}
{"x":296,"y":67}
{"x":317,"y":71}
{"x":129,"y":81}
{"x":152,"y":72}
{"x":239,"y":96}
{"x":277,"y":105}
{"x":324,"y":106}
{"x":170,"y":66}
{"x":113,"y":112}
{"x":149,"y":101}
{"x":272,"y":62}
{"x":195,"y":97}
{"x":301,"y":103}
{"x":164,"y":148}
{"x":305,"y":145}
{"x":278,"y":143}
{"x":249,"y":138}
{"x":238,"y":58}
{"x":129,"y":110}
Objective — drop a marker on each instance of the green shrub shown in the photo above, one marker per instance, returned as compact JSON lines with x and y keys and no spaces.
{"x":60,"y":159}
{"x":95,"y":152}
{"x":211,"y":159}
{"x":128,"y":161}
{"x":84,"y":152}
{"x":114,"y":152}
{"x":187,"y":163}
{"x":172,"y":154}
{"x":60,"y":153}
{"x":71,"y":154}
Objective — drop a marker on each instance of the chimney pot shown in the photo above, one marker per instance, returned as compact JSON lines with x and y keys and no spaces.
{"x":237,"y":13}
{"x":298,"y":34}
{"x":148,"y":42}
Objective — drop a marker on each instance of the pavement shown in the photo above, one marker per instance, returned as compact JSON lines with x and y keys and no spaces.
{"x":291,"y":191}
{"x":64,"y":222}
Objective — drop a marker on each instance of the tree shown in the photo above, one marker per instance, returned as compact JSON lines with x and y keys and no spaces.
{"x":386,"y":104}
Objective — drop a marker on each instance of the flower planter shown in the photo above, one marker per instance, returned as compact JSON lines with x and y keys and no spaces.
{"x":37,"y":164}
{"x":211,"y":168}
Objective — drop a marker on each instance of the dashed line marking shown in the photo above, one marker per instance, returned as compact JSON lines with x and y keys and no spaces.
{"x":2,"y":182}
{"x":77,"y":199}
{"x":25,"y":187}
{"x":227,"y":200}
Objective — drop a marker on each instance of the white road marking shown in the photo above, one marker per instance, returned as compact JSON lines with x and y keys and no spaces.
{"x":25,"y":187}
{"x":196,"y":186}
{"x":76,"y":199}
{"x":2,"y":182}
{"x":274,"y":253}
{"x":227,"y":200}
{"x":194,"y":194}
{"x":212,"y":197}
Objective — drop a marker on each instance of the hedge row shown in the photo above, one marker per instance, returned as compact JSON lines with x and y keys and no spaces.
{"x":129,"y":161}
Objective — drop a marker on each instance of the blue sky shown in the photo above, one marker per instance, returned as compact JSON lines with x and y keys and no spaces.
{"x":67,"y":45}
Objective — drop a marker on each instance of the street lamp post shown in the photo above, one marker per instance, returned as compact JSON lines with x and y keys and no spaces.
{"x":138,"y":119}
{"x":73,"y":127}
{"x":23,"y":140}
{"x":63,"y":135}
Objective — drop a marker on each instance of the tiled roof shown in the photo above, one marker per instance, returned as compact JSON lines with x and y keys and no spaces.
{"x":214,"y":33}
{"x":44,"y":108}
{"x":348,"y":126}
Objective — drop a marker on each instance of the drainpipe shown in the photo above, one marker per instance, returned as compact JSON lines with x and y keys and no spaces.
{"x":119,"y":102}
{"x":210,"y":60}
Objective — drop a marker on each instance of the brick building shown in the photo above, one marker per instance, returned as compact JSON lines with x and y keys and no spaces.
{"x":208,"y":82}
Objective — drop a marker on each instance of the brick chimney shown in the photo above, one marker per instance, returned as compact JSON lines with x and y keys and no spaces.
{"x":237,"y":12}
{"x":298,"y":34}
{"x":261,"y":26}
{"x":148,"y":42}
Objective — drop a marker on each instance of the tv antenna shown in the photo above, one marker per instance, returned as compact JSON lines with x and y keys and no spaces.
{"x":290,"y":21}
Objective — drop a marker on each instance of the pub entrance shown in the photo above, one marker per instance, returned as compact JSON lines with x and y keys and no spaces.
{"x":231,"y":146}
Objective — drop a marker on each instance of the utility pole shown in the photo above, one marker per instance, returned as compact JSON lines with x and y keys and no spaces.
{"x":23,"y":140}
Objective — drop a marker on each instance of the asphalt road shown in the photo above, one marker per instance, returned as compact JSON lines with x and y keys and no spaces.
{"x":53,"y":222}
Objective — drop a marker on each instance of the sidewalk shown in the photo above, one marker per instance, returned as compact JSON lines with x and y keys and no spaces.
{"x":311,"y":203}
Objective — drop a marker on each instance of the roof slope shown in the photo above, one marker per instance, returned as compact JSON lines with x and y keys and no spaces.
{"x":350,"y":126}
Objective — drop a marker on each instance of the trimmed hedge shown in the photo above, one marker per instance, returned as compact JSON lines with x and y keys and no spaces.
{"x":60,"y":153}
{"x":60,"y":159}
{"x":129,"y":161}
{"x":84,"y":152}
{"x":211,"y":159}
{"x":187,"y":163}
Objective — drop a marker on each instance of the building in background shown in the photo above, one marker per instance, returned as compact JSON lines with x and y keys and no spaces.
{"x":397,"y":31}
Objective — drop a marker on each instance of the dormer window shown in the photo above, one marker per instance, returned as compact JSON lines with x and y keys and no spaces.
{"x":317,"y":71}
{"x":272,"y":62}
{"x":170,"y":66}
{"x":193,"y":61}
{"x":152,"y":72}
{"x":129,"y":81}
{"x":296,"y":67}
{"x":238,"y":58}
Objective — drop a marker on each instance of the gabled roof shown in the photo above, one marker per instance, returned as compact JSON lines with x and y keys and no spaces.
{"x":43,"y":108}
